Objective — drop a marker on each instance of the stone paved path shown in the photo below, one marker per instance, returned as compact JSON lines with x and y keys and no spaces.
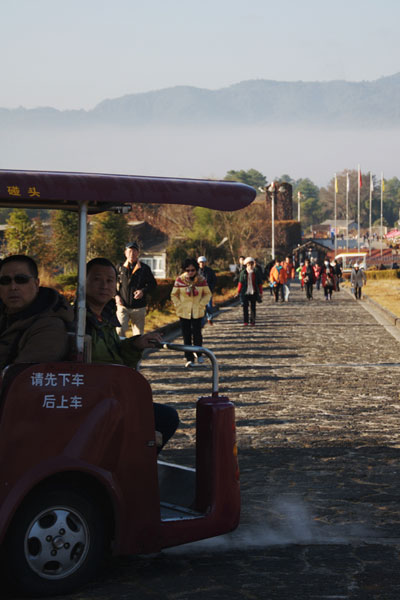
{"x":316,"y":389}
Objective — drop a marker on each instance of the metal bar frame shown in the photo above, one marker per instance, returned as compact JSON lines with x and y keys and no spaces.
{"x":198,"y":350}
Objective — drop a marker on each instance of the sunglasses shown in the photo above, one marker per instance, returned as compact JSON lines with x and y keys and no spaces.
{"x":190,"y":270}
{"x":21,"y":279}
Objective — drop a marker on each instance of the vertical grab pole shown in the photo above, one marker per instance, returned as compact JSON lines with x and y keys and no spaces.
{"x":81,"y":292}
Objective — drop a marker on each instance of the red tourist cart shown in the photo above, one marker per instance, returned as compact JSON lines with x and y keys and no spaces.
{"x":78,"y":459}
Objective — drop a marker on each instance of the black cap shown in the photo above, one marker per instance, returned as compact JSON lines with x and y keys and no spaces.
{"x":132,"y":245}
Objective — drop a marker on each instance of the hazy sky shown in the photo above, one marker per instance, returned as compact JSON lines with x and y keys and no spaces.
{"x":75,"y":53}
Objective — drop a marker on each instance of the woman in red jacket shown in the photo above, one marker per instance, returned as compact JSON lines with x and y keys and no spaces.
{"x":328,"y":280}
{"x":308,"y":278}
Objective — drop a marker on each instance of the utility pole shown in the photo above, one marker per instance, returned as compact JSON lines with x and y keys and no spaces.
{"x":382,"y":190}
{"x":371,"y":188}
{"x":272,"y":189}
{"x":347,"y":210}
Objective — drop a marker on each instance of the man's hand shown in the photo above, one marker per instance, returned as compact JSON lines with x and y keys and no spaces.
{"x":118,"y":301}
{"x":138,"y":294}
{"x":149,"y":340}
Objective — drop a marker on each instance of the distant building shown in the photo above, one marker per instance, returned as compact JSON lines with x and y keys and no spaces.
{"x":340,"y":226}
{"x":311,"y":249}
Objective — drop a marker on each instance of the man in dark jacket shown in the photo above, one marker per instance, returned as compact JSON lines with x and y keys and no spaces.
{"x":135,"y":280}
{"x":33,"y":319}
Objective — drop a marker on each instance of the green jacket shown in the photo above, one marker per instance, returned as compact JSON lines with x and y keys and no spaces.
{"x":107,"y":347}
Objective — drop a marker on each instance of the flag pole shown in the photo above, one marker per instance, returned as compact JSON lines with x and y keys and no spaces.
{"x":358,"y":208}
{"x":371,"y":187}
{"x":298,"y":206}
{"x":335,"y":213}
{"x":382,"y":190}
{"x":347,"y":210}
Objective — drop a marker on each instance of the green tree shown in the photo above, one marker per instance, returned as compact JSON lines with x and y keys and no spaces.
{"x":108,"y":235}
{"x":65,"y":229}
{"x":251,"y":177}
{"x":203,"y":225}
{"x":391,"y":201}
{"x":287,"y":179}
{"x":310,"y":209}
{"x":41,"y":250}
{"x":21,"y":232}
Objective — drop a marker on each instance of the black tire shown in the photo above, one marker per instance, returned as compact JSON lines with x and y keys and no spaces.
{"x":56,"y":542}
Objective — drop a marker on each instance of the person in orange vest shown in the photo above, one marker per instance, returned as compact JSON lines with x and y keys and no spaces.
{"x":278,"y":279}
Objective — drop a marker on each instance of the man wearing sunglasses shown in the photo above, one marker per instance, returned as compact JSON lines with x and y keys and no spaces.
{"x":33,"y":319}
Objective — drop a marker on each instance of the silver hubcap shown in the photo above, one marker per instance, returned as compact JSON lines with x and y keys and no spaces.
{"x":57,"y":542}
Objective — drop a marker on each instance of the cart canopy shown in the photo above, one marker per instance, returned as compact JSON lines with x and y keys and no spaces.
{"x":100,"y":192}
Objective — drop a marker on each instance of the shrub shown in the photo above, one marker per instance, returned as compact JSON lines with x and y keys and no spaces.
{"x":66,"y":281}
{"x":386,"y":274}
{"x":159,"y":297}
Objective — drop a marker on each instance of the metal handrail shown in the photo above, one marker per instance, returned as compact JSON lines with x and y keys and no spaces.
{"x":198,"y":350}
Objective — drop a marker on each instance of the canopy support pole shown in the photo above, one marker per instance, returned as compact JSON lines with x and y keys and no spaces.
{"x":81,"y":291}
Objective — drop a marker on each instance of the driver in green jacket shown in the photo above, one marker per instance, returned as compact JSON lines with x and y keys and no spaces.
{"x":107,"y":347}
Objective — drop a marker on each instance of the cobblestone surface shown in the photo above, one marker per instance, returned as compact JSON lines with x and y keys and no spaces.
{"x":316,"y":390}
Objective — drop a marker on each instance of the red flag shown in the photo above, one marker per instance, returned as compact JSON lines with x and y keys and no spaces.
{"x":359,"y":179}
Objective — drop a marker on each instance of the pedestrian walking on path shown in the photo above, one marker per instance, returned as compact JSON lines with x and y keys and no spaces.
{"x":290,"y":275}
{"x":358,"y":278}
{"x":308,"y":278}
{"x":250,"y":290}
{"x":209,"y":275}
{"x":317,"y":275}
{"x":135,"y":282}
{"x":190,"y":296}
{"x":337,"y":270}
{"x":328,"y":280}
{"x":278,"y":279}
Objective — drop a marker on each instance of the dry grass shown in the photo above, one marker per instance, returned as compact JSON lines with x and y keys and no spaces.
{"x":156,"y":318}
{"x":384,"y":291}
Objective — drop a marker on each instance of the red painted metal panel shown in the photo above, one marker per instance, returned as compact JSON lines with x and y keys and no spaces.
{"x":94,"y":419}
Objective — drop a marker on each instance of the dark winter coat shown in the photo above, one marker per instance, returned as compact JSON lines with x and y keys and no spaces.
{"x":257,"y":283}
{"x":37,"y":333}
{"x":132,"y":278}
{"x":209,"y":276}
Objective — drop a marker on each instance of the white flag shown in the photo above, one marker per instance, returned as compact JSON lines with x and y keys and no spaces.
{"x":347,"y":182}
{"x":371,"y":183}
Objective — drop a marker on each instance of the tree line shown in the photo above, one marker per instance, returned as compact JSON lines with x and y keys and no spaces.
{"x":317,"y":204}
{"x":51,"y":237}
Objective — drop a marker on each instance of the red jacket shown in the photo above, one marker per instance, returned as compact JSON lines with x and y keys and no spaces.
{"x":325,"y":275}
{"x":303,"y":274}
{"x":289,"y":268}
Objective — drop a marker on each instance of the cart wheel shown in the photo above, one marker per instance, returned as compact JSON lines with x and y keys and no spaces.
{"x":56,"y":542}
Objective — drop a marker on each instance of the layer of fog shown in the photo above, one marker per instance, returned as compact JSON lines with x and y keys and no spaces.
{"x":211,"y":152}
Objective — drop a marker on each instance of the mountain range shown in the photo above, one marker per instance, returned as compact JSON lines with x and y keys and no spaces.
{"x":372,"y":104}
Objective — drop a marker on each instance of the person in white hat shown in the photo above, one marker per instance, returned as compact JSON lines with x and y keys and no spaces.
{"x":358,"y":278}
{"x":210,"y":277}
{"x":250,"y":290}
